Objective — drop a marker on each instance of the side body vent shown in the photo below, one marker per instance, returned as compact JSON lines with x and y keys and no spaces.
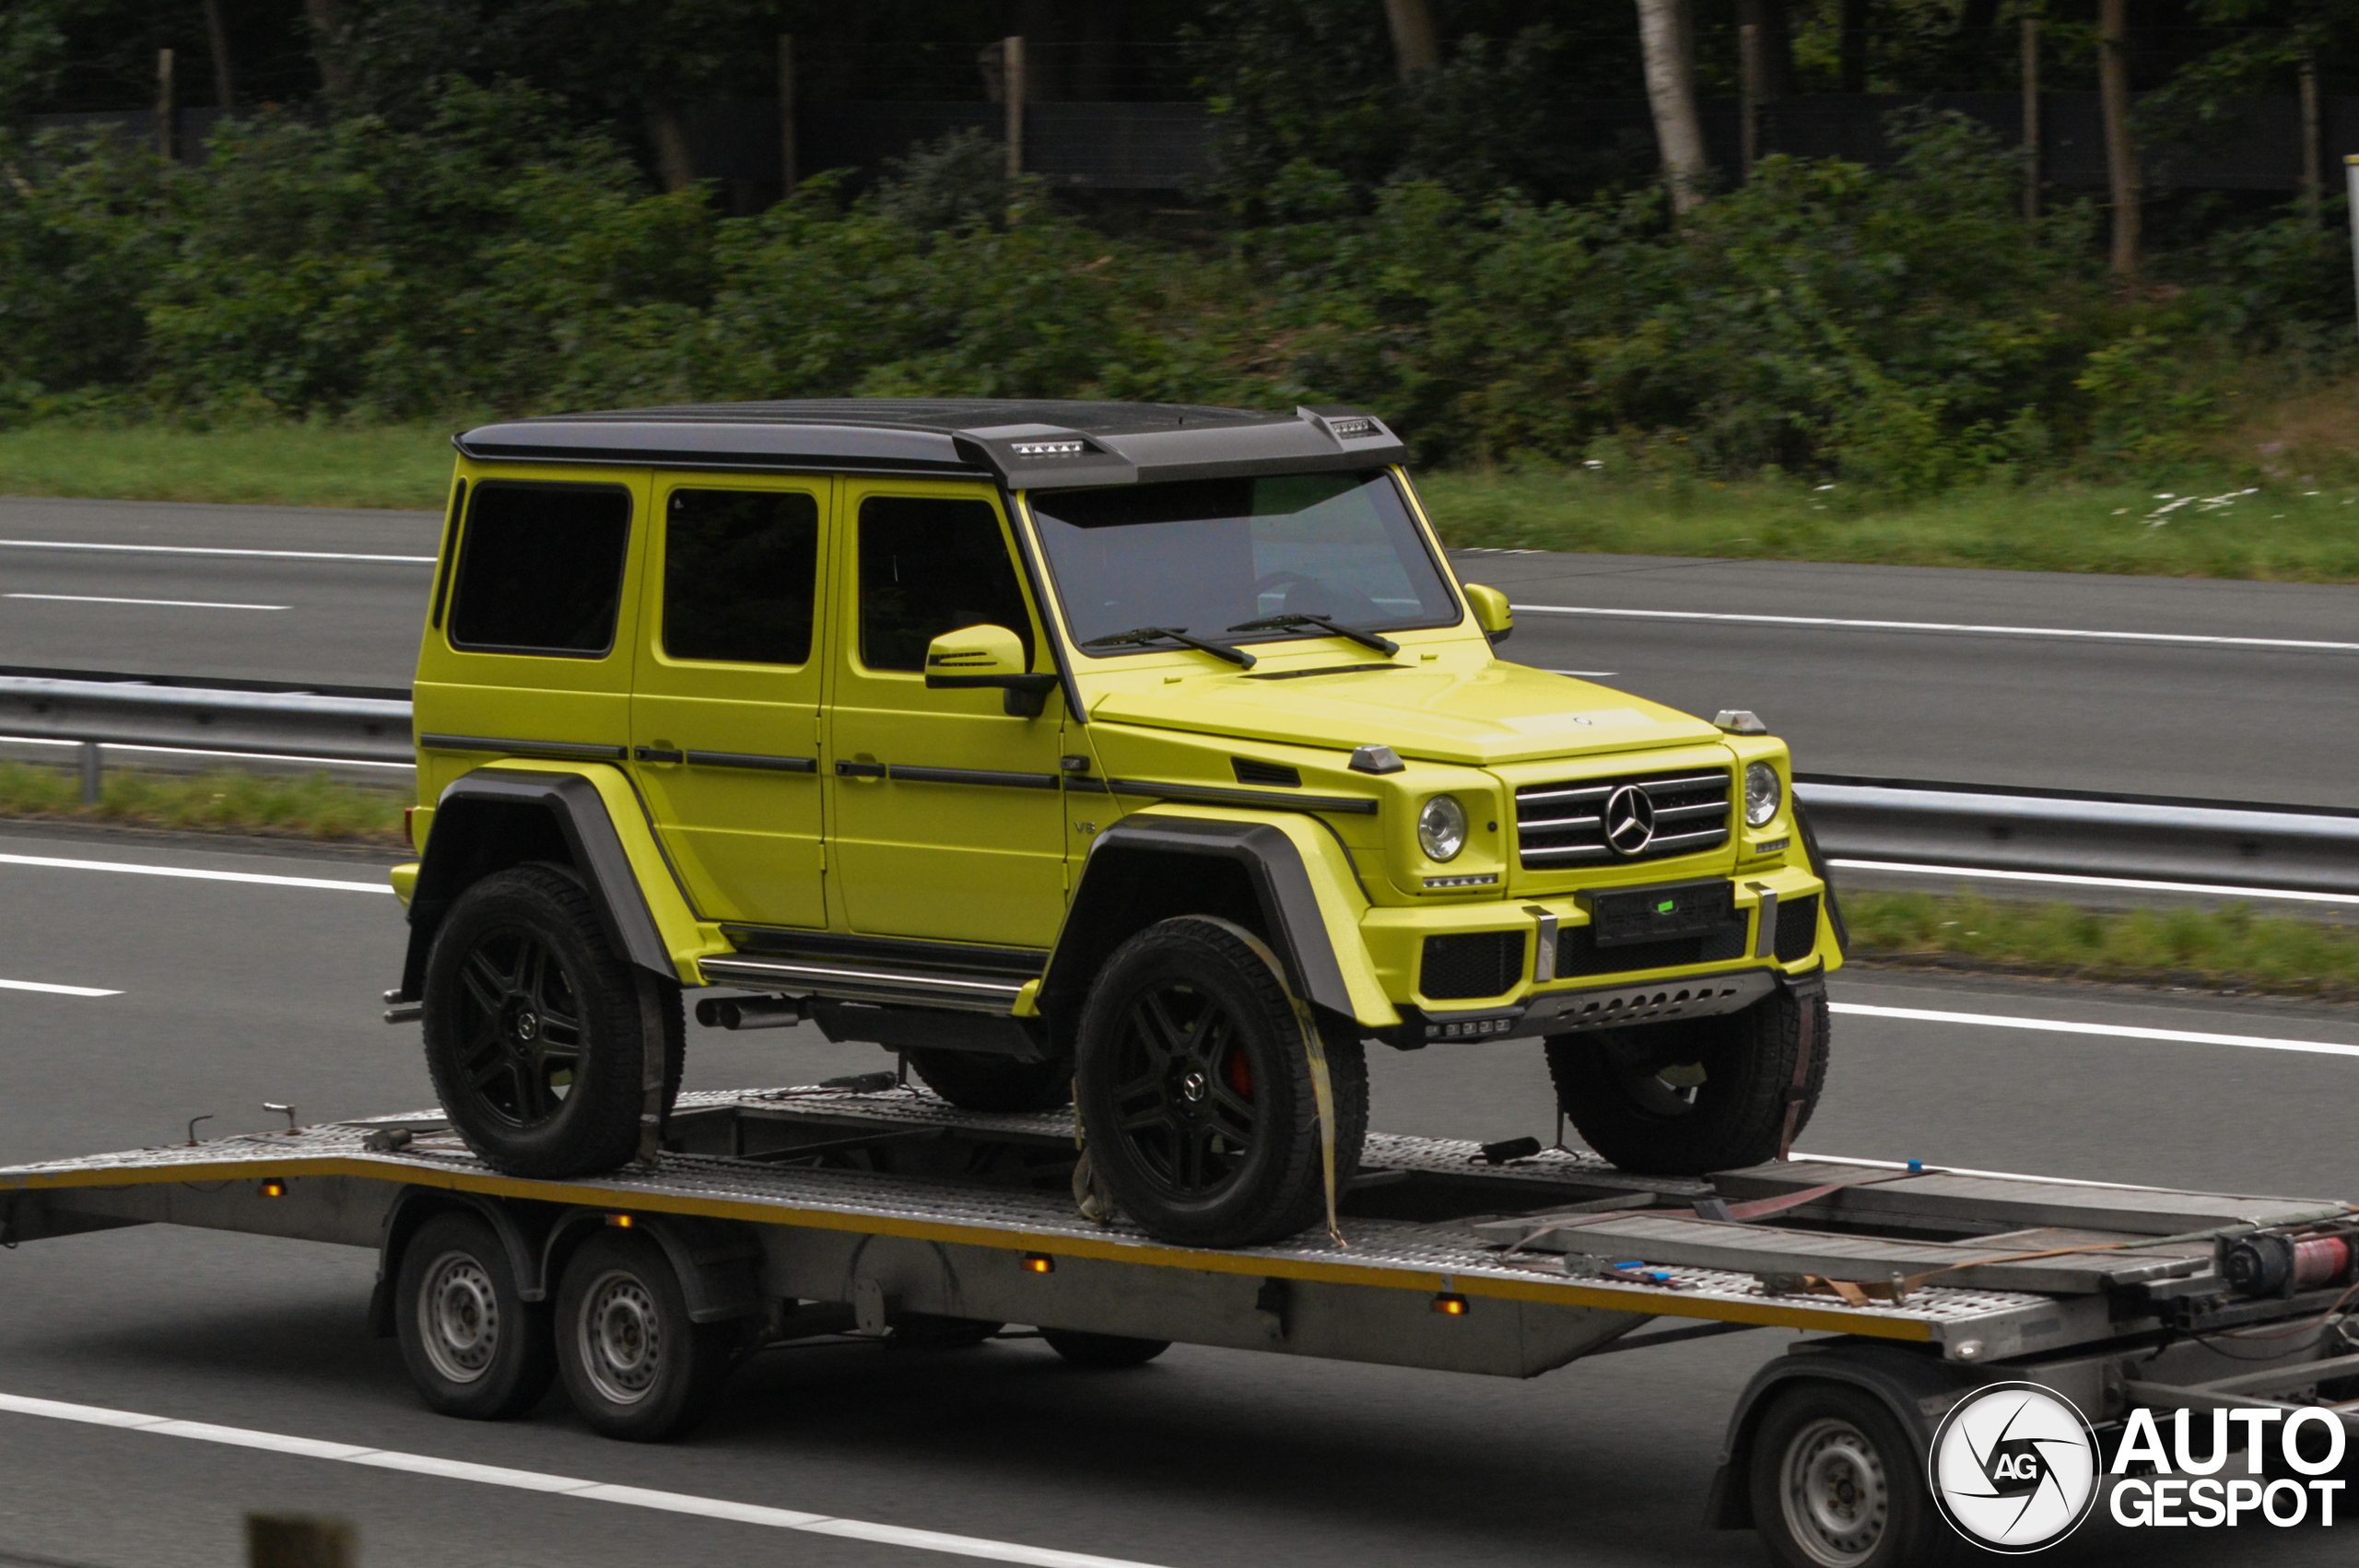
{"x":1250,"y":771}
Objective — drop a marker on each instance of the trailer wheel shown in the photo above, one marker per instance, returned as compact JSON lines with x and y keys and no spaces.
{"x":1836,"y":1484}
{"x":1696,"y":1094}
{"x":1195,"y":1092}
{"x":474,"y":1346}
{"x":536,"y":1029}
{"x":635,"y":1365}
{"x":1103,"y":1352}
{"x":974,"y":1081}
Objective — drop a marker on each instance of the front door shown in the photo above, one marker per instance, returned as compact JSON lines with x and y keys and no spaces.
{"x":947,"y":812}
{"x":725,"y":705}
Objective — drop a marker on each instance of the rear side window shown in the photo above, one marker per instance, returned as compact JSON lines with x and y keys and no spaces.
{"x":928,"y":566}
{"x":741,"y":569}
{"x":541,"y":570}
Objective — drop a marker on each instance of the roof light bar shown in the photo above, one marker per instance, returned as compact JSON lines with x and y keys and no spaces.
{"x":1049,"y":449}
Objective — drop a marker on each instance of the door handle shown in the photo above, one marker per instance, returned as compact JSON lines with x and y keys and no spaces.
{"x":655,"y":754}
{"x":870,"y":770}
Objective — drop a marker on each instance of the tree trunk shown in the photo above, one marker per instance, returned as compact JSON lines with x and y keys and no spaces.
{"x":671,"y":138}
{"x":1852,"y":46}
{"x":326,"y":21}
{"x":1414,"y":48}
{"x":2120,"y":152}
{"x":1776,"y":51}
{"x":225,"y":81}
{"x":1670,"y":94}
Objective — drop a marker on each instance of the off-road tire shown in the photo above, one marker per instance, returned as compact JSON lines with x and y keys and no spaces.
{"x":590,"y":1123}
{"x":975,"y":1081}
{"x":1835,"y":1483}
{"x":634,"y":1364}
{"x":1607,"y":1086}
{"x":1103,"y":1352}
{"x":474,"y":1346}
{"x":1162,"y":1167}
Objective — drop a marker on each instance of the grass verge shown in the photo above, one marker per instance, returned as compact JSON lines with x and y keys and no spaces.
{"x":312,"y":806}
{"x":2278,"y":507}
{"x":2230,"y":948}
{"x":308,"y":466}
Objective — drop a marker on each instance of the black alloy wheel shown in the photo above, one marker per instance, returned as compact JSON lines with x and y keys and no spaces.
{"x":537,"y":1031}
{"x":1195,"y":1090}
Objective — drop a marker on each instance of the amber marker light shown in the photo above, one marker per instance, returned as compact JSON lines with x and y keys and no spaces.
{"x":274,"y":1189}
{"x":1038,"y":1263}
{"x":1450,"y":1304}
{"x":620,"y":1222}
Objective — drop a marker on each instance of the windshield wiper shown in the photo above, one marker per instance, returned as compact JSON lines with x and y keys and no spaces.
{"x":1286,"y":623}
{"x":1235,"y":656}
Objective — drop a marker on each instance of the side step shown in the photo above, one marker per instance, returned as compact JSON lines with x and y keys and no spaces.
{"x":957,"y":991}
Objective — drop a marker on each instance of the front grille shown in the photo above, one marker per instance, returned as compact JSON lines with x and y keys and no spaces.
{"x":1475,"y":963}
{"x":1562,"y":826}
{"x":1578,"y":955}
{"x":1797,"y":928}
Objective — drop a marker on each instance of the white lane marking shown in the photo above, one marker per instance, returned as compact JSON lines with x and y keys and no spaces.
{"x":1941,"y":627}
{"x":160,"y":604}
{"x":53,"y":863}
{"x":53,"y":990}
{"x":2133,"y":883}
{"x":1584,"y":674}
{"x":213,"y":550}
{"x":2109,"y":1031}
{"x":199,"y":751}
{"x":563,"y":1486}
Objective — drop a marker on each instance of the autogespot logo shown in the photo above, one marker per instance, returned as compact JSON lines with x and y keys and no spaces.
{"x":2015,"y":1467}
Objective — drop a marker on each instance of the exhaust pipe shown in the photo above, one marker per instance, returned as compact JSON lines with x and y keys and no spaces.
{"x":752,"y":1012}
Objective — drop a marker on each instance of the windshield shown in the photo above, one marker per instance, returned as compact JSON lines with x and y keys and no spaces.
{"x":1211,"y":556}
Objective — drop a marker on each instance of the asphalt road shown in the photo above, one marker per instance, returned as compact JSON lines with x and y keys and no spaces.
{"x":234,"y":992}
{"x":1942,"y":690}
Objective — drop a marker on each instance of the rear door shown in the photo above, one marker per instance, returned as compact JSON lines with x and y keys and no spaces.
{"x":946,"y":819}
{"x":726,"y":703}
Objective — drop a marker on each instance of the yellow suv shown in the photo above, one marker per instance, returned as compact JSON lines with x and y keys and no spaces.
{"x":1142,"y":755}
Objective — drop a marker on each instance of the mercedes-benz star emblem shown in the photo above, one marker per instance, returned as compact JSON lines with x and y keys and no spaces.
{"x":1630,"y":820}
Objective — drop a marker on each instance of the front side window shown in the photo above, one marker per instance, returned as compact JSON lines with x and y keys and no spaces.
{"x":541,"y":570}
{"x":1213,"y":557}
{"x":741,"y":574}
{"x":931,"y":565}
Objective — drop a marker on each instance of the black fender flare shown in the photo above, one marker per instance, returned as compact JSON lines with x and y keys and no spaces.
{"x":478,"y":828}
{"x":718,"y":1262}
{"x":521,"y":1229}
{"x":1139,"y":850}
{"x":1903,"y":1379}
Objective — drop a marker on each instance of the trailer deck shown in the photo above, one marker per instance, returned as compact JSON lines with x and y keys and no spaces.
{"x":864,"y":1207}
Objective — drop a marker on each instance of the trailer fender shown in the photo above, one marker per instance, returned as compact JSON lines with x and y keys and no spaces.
{"x":1912,"y":1383}
{"x":522,"y":1230}
{"x":583,"y":816}
{"x":1285,"y":877}
{"x":718,"y":1261}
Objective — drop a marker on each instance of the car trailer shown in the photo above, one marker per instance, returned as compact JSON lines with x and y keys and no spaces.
{"x":867,"y":1207}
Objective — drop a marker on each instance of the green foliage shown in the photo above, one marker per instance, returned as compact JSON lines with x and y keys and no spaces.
{"x":312,"y":806}
{"x":2227,"y":946}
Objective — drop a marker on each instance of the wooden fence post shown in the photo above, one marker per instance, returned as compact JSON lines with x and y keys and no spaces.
{"x":2312,"y":177}
{"x":2120,"y":148}
{"x":297,"y":1540}
{"x":167,"y":109}
{"x":1012,"y":65}
{"x":2031,"y":119}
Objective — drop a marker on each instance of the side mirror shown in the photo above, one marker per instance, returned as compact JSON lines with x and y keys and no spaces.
{"x":1492,"y":612}
{"x":987,"y":656}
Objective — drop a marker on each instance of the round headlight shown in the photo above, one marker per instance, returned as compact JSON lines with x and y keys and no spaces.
{"x":1441,"y":827}
{"x":1763,"y":794}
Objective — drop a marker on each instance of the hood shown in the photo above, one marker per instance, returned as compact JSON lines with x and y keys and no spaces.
{"x":1499,"y":713}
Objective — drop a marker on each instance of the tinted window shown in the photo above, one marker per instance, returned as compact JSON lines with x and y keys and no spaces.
{"x":740,"y":569}
{"x":541,"y":569}
{"x":930,"y":567}
{"x":1214,"y":556}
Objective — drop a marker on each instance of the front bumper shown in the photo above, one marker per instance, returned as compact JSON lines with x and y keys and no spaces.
{"x":1737,"y":964}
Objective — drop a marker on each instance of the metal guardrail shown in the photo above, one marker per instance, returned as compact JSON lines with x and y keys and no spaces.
{"x":129,"y":713}
{"x":2217,"y":843}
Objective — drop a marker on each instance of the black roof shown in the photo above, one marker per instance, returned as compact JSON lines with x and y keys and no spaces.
{"x":1024,"y":443}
